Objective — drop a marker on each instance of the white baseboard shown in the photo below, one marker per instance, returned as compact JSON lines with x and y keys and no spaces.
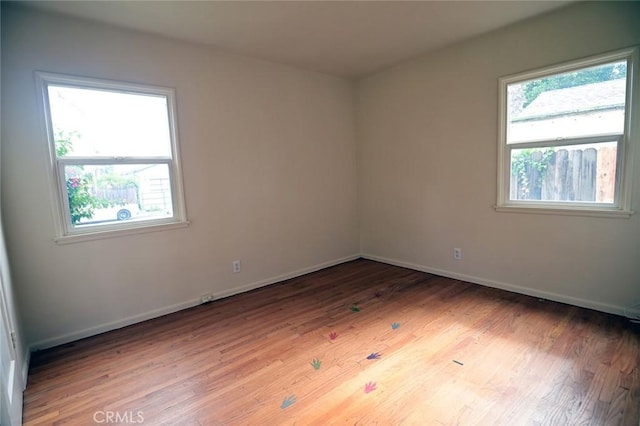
{"x":25,"y":369}
{"x":597,"y":306}
{"x":633,"y":312}
{"x":113,"y":325}
{"x":92,"y":331}
{"x":283,"y":277}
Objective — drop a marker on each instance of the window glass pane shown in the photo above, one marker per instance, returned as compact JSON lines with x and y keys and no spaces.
{"x":580,"y":173}
{"x":93,"y":122}
{"x":106,"y":194}
{"x":586,"y":102}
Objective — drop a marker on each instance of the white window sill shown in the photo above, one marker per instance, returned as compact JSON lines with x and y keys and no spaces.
{"x":112,"y":233}
{"x":566,"y":211}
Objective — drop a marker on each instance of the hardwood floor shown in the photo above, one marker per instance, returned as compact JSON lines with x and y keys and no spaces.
{"x":460,"y":353}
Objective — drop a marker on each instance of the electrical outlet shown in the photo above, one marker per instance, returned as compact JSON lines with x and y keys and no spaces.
{"x":457,"y":254}
{"x":236,"y":266}
{"x":206,"y":298}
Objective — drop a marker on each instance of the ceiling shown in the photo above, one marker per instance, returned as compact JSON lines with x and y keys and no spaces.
{"x":345,"y":38}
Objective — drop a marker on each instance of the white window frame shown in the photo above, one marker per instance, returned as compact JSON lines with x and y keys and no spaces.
{"x":621,"y":207}
{"x":65,"y":231}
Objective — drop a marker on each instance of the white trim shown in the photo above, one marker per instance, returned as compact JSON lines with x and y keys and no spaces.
{"x":283,"y":277}
{"x":113,"y":325}
{"x":116,"y":86}
{"x":25,"y":368}
{"x":141,"y":227}
{"x":633,"y":312}
{"x":565,"y":67}
{"x":177,"y":185}
{"x":625,"y":157}
{"x":76,"y":335}
{"x":584,"y":303}
{"x":564,"y":211}
{"x":631,"y":142}
{"x":64,"y":231}
{"x":549,"y":143}
{"x":504,"y":169}
{"x":115,"y":161}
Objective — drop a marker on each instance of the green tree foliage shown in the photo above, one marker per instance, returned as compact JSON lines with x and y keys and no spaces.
{"x":108,"y":177}
{"x":81,"y":202}
{"x":64,"y":142}
{"x":522,"y":165}
{"x":571,"y":79}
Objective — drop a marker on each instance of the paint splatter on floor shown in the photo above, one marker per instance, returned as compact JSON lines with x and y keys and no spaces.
{"x":316,"y":363}
{"x":288,"y":401}
{"x":374,"y":355}
{"x":333,"y":336}
{"x":395,"y":325}
{"x":370,"y":387}
{"x":354,"y":308}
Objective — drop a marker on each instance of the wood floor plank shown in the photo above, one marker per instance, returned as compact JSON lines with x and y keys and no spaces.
{"x":458,"y":353}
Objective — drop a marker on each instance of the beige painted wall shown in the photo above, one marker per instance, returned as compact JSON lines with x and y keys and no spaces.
{"x":269,"y":160}
{"x":273,"y":174}
{"x":10,"y":322}
{"x":428,"y":153}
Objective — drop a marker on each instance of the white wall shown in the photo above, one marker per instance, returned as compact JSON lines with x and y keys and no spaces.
{"x":272,"y":175}
{"x":269,"y":160}
{"x":14,"y":349}
{"x":428,"y":153}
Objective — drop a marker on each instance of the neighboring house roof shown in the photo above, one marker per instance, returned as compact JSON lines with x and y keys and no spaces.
{"x":588,"y":97}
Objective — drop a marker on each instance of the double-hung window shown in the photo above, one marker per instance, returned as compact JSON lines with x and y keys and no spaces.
{"x":565,"y":137}
{"x":114,"y":158}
